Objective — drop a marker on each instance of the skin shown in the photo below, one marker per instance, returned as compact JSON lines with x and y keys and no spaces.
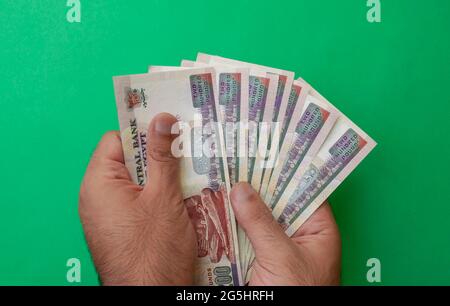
{"x":143,"y":235}
{"x":312,"y":256}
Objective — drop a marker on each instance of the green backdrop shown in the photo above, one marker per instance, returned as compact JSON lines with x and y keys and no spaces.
{"x":391,"y":78}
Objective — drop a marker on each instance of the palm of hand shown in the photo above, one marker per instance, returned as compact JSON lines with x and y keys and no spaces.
{"x":310,"y":257}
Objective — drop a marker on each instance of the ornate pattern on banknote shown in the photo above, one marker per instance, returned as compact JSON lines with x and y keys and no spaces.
{"x":203,"y":100}
{"x":230,"y":100}
{"x":135,"y":97}
{"x":316,"y":180}
{"x":282,"y":79}
{"x":306,"y":131}
{"x":292,"y":102}
{"x":209,"y":211}
{"x":258,"y":87}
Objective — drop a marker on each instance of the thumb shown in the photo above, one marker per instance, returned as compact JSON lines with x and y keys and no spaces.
{"x":256,"y":219}
{"x":162,"y":166}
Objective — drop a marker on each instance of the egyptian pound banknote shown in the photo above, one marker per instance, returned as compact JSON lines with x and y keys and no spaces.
{"x":344,"y":148}
{"x":301,"y":144}
{"x":189,"y":95}
{"x":266,"y":152}
{"x":240,"y":121}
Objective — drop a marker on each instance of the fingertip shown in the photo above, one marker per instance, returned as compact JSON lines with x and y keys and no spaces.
{"x":242,"y":192}
{"x":255,"y":218}
{"x":110,"y":136}
{"x":162,"y":125}
{"x":110,"y":146}
{"x":246,"y":203}
{"x":162,"y":162}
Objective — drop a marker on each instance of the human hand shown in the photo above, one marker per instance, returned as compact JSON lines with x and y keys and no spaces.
{"x":312,"y":256}
{"x":134,"y":233}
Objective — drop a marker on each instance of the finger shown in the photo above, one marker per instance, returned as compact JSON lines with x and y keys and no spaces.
{"x":107,"y":161}
{"x":110,"y":147}
{"x":256,"y":219}
{"x":322,"y":220}
{"x":162,"y":166}
{"x":106,"y":169}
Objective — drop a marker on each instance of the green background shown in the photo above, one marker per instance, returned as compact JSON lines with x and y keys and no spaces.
{"x":391,"y":78}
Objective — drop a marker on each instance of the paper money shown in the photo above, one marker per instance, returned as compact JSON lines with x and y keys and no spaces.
{"x":242,"y":238}
{"x":189,"y":95}
{"x":297,"y":97}
{"x":284,"y":84}
{"x":294,"y":170}
{"x":345,"y":147}
{"x":233,"y":91}
{"x":263,"y":88}
{"x":232,"y":88}
{"x":301,"y":144}
{"x":313,"y":122}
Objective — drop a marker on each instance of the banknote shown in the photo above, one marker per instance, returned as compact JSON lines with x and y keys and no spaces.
{"x":261,"y":98}
{"x":304,"y":139}
{"x":297,"y":97}
{"x":243,"y":139}
{"x":253,"y":80}
{"x":312,"y":122}
{"x":232,"y":88}
{"x":345,"y":147}
{"x":263,"y":87}
{"x":290,"y":128}
{"x":190,"y":95}
{"x":158,"y":68}
{"x":284,"y":84}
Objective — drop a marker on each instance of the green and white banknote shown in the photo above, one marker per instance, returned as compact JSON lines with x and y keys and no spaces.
{"x":188,"y":94}
{"x":344,"y":148}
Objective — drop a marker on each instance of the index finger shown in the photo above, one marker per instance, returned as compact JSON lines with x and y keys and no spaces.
{"x":110,"y":147}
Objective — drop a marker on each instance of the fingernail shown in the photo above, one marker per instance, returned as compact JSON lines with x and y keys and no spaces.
{"x":242,"y":192}
{"x":163,"y":127}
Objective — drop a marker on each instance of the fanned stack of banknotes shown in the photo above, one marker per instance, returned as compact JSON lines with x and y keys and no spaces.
{"x":240,"y":122}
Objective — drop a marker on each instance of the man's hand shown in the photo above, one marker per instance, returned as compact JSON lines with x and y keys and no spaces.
{"x":138,"y":235}
{"x":310,"y":257}
{"x":143,"y":235}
